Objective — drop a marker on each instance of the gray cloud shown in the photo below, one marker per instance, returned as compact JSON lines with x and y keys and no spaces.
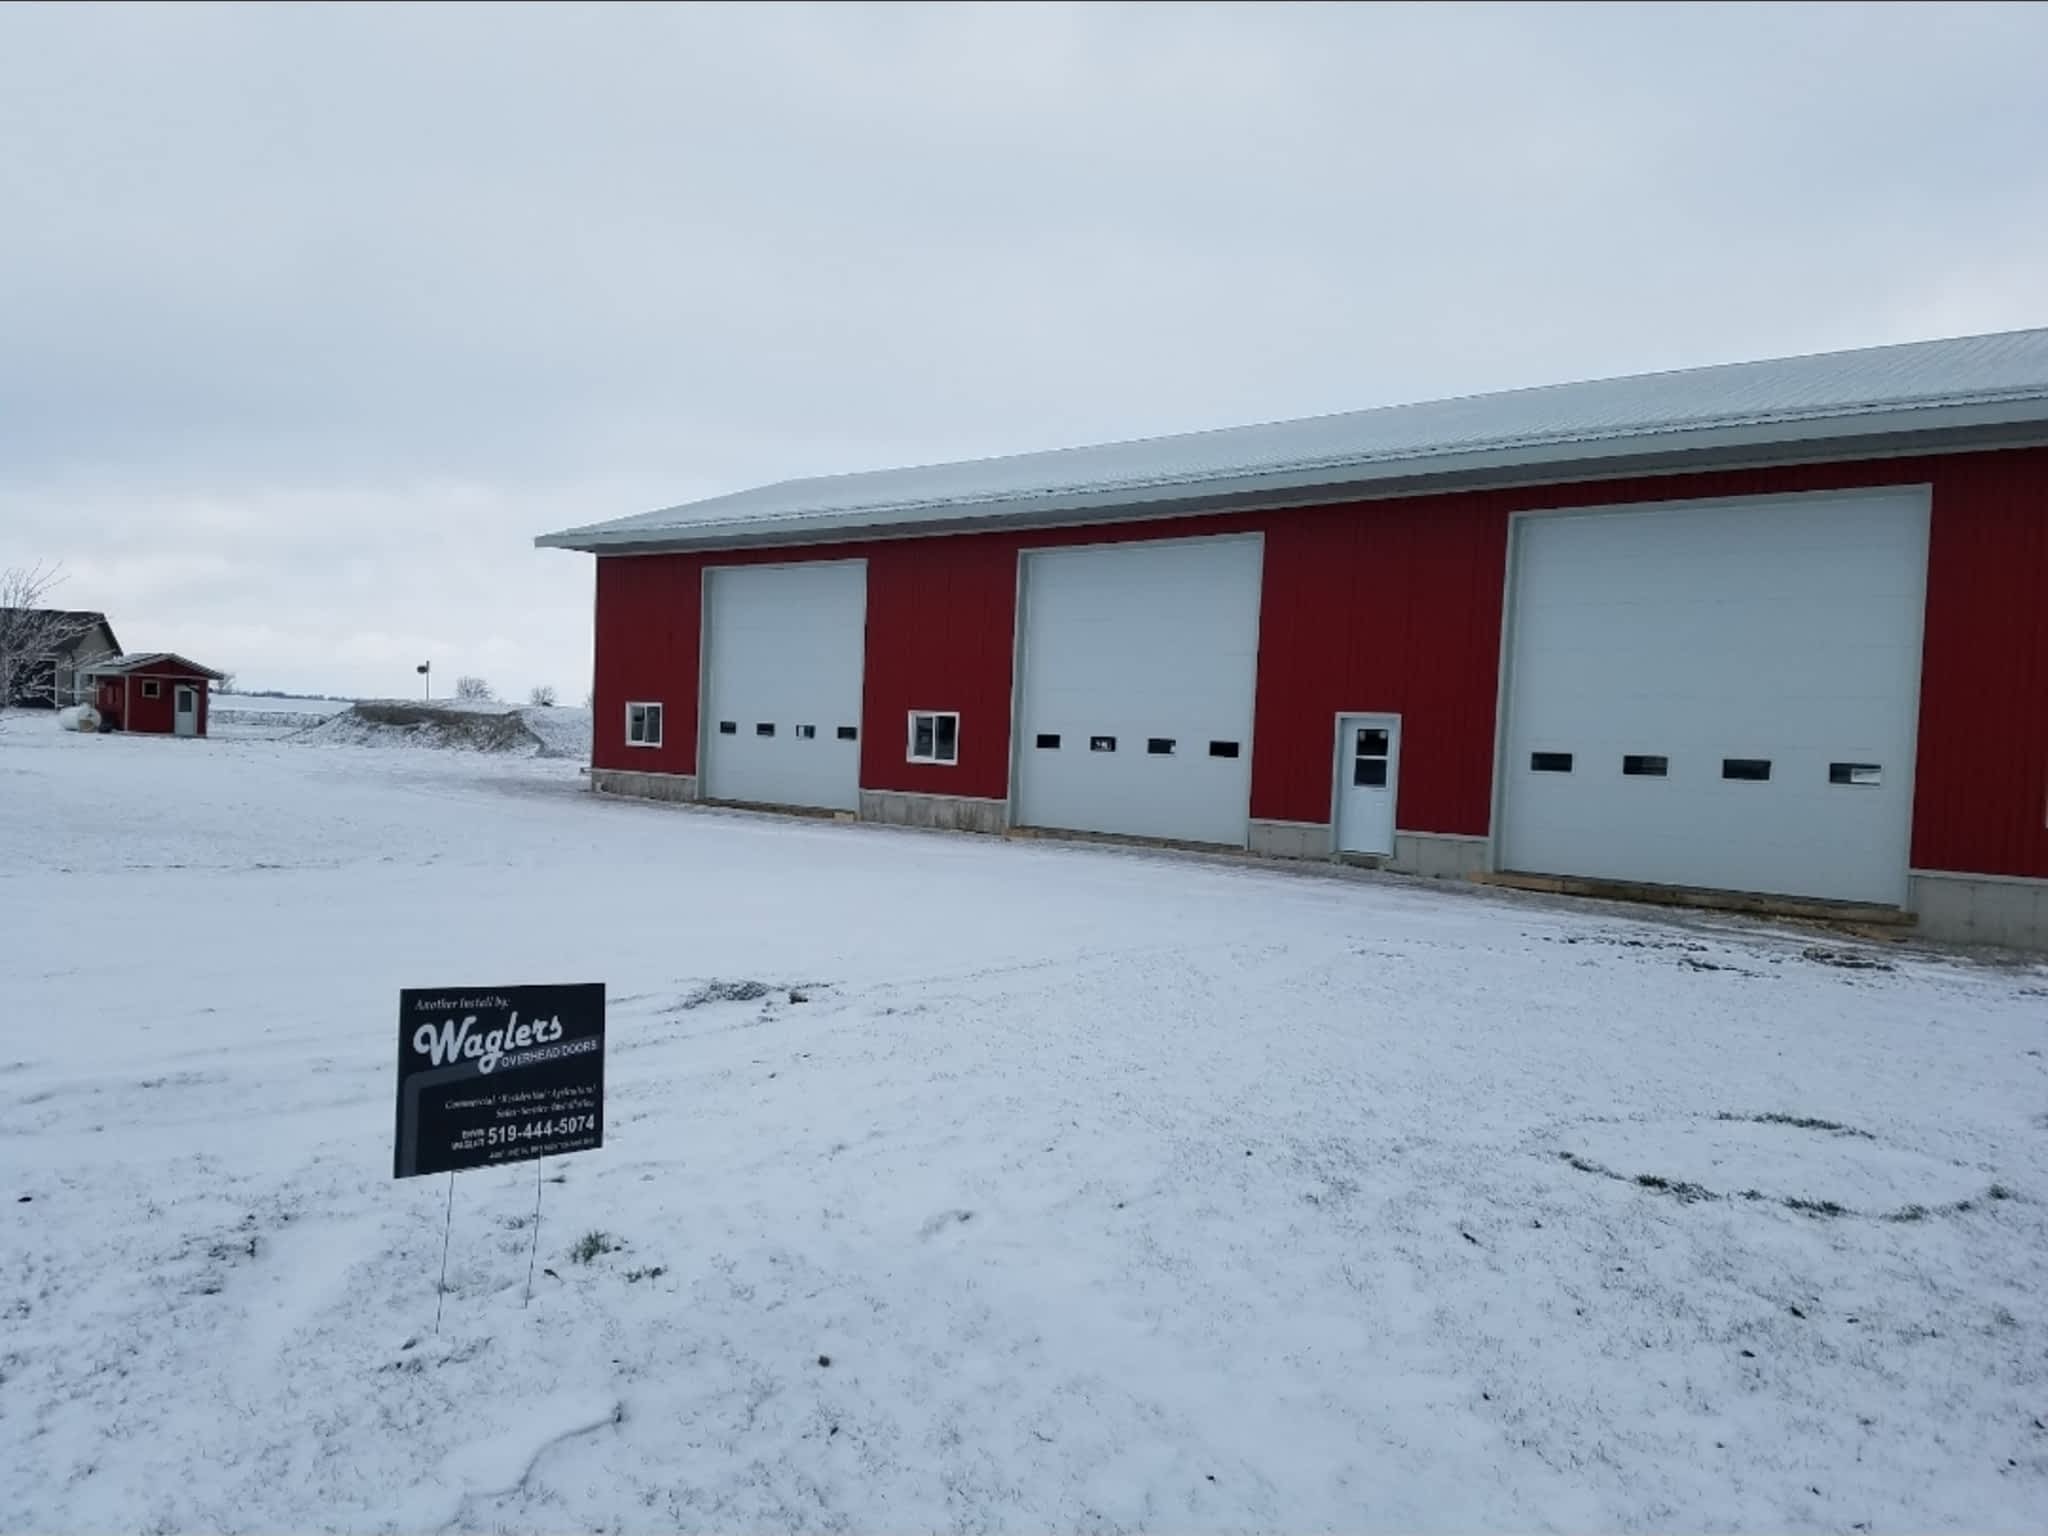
{"x":311,"y":317}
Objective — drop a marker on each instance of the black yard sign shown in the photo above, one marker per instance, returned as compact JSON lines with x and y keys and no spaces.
{"x":490,"y":1075}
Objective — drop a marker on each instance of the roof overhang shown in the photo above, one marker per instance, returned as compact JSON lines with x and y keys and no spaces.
{"x":150,"y":664}
{"x":1900,"y":432}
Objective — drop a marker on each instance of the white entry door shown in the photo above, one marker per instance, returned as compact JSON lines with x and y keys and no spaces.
{"x":1368,"y":758}
{"x":786,"y":648}
{"x":186,"y":719}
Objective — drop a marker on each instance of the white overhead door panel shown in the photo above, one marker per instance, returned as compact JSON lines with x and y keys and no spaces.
{"x":785,"y":651}
{"x":1764,"y":655}
{"x":1139,"y":672}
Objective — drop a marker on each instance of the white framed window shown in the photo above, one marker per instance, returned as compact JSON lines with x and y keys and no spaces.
{"x":151,"y":688}
{"x":934,"y":736}
{"x":643,"y":725}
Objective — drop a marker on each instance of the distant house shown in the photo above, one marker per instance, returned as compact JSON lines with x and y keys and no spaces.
{"x":156,"y":693}
{"x":56,"y":646}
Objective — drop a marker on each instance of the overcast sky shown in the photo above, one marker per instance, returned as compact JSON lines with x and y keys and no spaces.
{"x":310,"y":319}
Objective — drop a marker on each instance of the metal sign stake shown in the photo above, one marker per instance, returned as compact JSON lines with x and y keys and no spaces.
{"x":535,"y":1248}
{"x":447,"y":1222}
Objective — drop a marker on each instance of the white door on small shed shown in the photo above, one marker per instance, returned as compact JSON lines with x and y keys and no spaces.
{"x":1140,"y":665}
{"x":784,"y":652}
{"x":1721,"y":695}
{"x":185,"y":703}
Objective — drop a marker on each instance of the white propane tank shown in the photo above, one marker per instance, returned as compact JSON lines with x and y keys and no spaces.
{"x":79,"y":717}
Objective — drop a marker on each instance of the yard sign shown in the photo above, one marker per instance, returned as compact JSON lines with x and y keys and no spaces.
{"x":493,"y":1075}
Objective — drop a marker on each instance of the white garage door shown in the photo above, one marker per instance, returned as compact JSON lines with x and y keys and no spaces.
{"x":1140,"y":665}
{"x":1721,"y":696}
{"x":786,"y":646}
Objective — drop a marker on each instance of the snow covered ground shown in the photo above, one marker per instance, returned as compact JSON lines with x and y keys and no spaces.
{"x":1120,"y":1192}
{"x":278,"y":703}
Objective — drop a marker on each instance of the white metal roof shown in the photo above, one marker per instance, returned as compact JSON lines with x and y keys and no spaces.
{"x":145,"y":661}
{"x":1981,"y":389}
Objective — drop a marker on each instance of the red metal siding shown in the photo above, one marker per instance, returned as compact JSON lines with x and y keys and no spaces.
{"x":144,"y":713}
{"x":1392,"y":607}
{"x":941,"y":613}
{"x":648,"y":611}
{"x":1396,"y":605}
{"x":1980,"y":793}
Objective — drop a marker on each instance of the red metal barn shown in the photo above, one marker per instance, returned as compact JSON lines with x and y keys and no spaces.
{"x":1774,"y":628}
{"x":156,"y":693}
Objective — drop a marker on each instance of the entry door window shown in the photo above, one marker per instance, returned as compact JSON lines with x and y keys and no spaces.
{"x":185,"y":698}
{"x":1369,"y":753}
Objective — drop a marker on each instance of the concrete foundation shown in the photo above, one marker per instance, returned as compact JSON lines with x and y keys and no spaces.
{"x":644,"y":786}
{"x":1981,"y":909}
{"x":952,"y":813}
{"x":1438,"y":855}
{"x":1291,"y":839}
{"x":1842,"y":914}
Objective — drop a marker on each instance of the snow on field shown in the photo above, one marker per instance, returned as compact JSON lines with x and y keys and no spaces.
{"x":960,"y":1183}
{"x":248,"y":716}
{"x":260,"y":703}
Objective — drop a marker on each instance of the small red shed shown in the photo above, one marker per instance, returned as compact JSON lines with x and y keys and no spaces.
{"x":156,"y":692}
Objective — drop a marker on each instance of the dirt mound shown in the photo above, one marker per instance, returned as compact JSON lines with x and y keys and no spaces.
{"x":446,"y":727}
{"x":562,"y":732}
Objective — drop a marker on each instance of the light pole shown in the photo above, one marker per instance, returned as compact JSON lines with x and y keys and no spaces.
{"x":426,"y":672}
